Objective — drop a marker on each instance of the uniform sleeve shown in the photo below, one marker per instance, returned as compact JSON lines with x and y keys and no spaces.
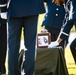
{"x":3,"y":5}
{"x":64,"y":34}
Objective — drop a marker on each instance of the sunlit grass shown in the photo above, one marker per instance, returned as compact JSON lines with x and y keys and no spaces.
{"x":70,"y":62}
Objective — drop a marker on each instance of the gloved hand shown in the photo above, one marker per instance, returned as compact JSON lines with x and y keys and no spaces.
{"x":4,"y":15}
{"x":53,"y":44}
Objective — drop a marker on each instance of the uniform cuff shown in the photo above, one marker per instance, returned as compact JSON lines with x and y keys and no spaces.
{"x":64,"y":37}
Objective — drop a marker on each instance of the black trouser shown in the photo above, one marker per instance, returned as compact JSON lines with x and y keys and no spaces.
{"x":3,"y":47}
{"x":73,"y":49}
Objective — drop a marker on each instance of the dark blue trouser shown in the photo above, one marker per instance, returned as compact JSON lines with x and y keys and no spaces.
{"x":73,"y":49}
{"x":14,"y":33}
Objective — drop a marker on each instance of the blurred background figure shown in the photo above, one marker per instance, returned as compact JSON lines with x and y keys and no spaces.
{"x":3,"y":45}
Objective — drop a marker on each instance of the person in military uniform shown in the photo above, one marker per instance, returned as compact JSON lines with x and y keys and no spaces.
{"x":64,"y":34}
{"x":21,"y":14}
{"x":54,"y":19}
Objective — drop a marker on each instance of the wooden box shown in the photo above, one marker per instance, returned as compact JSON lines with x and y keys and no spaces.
{"x":43,"y":40}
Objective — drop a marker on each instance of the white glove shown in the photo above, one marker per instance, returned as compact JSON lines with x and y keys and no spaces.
{"x":53,"y":44}
{"x":4,"y":15}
